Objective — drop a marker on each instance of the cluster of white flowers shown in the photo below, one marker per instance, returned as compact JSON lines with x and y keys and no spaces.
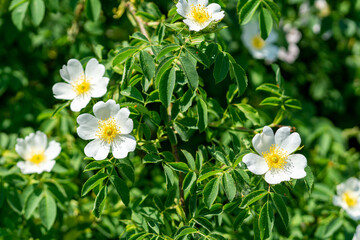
{"x":110,"y":128}
{"x":348,"y":197}
{"x":275,"y":158}
{"x":293,"y":36}
{"x":198,"y":14}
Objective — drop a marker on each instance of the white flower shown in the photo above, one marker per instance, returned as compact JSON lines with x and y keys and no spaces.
{"x":357,"y":233}
{"x":348,"y":197}
{"x":198,"y":15}
{"x":81,"y":87}
{"x":275,"y":159}
{"x":290,"y":54}
{"x":37,"y":153}
{"x":323,"y":7}
{"x":110,"y":128}
{"x":259,"y":48}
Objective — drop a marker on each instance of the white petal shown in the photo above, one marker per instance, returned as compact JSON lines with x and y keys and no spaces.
{"x":354,"y":214}
{"x":262,"y":142}
{"x":182,"y":8}
{"x":337,"y":201}
{"x":37,"y":141}
{"x":27,"y":168}
{"x":276,"y":176}
{"x":88,"y":126}
{"x":52,"y":151}
{"x":125,"y":124}
{"x":99,"y":88}
{"x":63,"y":91}
{"x":75,"y":69}
{"x":203,"y":2}
{"x":291,"y":143}
{"x":353,"y":184}
{"x":218,"y":16}
{"x":20,"y":148}
{"x":255,"y":163}
{"x":298,"y":163}
{"x":270,"y":52}
{"x":194,"y":26}
{"x":273,"y":36}
{"x":79,"y":102}
{"x":341,"y":188}
{"x":97,"y":149}
{"x":94,"y":71}
{"x":64,"y":73}
{"x":105,"y":110}
{"x":213,"y":8}
{"x":281,"y":134}
{"x":46,"y":166}
{"x":122,"y":145}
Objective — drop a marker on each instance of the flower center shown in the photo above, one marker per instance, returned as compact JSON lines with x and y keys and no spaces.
{"x":81,"y":86}
{"x":107,"y":130}
{"x":275,"y":157}
{"x":258,"y":42}
{"x":199,"y":13}
{"x":37,"y":158}
{"x":349,"y":199}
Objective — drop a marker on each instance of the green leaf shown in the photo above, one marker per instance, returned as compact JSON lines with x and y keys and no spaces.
{"x":179,"y":166}
{"x":93,"y":182}
{"x":166,"y":86}
{"x":133,"y":93}
{"x":16,"y":3}
{"x":281,"y":208}
{"x":309,"y":179}
{"x":249,"y":112}
{"x":147,"y":65}
{"x":47,"y":211}
{"x":100,"y":201}
{"x":240,"y":218}
{"x":171,"y":134}
{"x":190,"y":71}
{"x":248,"y":10}
{"x":13,"y":199}
{"x":186,"y":100}
{"x":121,"y":188}
{"x":32,"y":202}
{"x":252,"y":197}
{"x":167,"y":49}
{"x":209,"y":174}
{"x":271,"y":88}
{"x":271,"y":101}
{"x":123,"y":55}
{"x":95,"y":165}
{"x":293,"y":103}
{"x":140,"y":36}
{"x":37,"y":11}
{"x":163,"y":66}
{"x":210,"y":192}
{"x":266,"y":23}
{"x":18,"y":14}
{"x":221,"y":68}
{"x":93,"y":9}
{"x":152,"y":158}
{"x":274,"y":9}
{"x":185,"y":232}
{"x":266,"y":221}
{"x":61,"y":107}
{"x":229,"y":186}
{"x":238,"y":73}
{"x":198,"y":55}
{"x":202,"y":115}
{"x":189,"y":179}
{"x":205,"y":223}
{"x":211,"y":52}
{"x":190,"y":159}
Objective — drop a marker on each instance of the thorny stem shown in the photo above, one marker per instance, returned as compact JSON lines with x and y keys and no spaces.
{"x":138,"y":20}
{"x":177,"y":159}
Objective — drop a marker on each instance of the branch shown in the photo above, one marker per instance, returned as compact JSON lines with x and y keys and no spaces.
{"x":138,"y":20}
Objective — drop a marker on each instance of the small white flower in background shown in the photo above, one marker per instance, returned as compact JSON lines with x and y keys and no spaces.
{"x":81,"y":87}
{"x":38,"y":154}
{"x":323,"y":7}
{"x":348,"y":197}
{"x":357,"y":233}
{"x":259,"y":48}
{"x":292,"y":36}
{"x":275,"y":158}
{"x":198,"y":15}
{"x":110,"y":128}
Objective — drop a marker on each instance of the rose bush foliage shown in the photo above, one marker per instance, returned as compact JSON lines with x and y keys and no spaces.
{"x":194,"y":111}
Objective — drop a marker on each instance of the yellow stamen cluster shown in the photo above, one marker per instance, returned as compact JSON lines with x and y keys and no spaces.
{"x":81,"y":86}
{"x":349,"y":199}
{"x":199,"y":13}
{"x":258,"y":42}
{"x":275,"y":157}
{"x":37,"y":158}
{"x":107,"y":130}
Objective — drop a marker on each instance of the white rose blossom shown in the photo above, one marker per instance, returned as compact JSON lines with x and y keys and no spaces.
{"x":81,"y":86}
{"x":275,"y":158}
{"x":198,"y":14}
{"x":258,"y":47}
{"x":110,"y":129}
{"x":357,"y":233}
{"x":38,"y":154}
{"x":348,"y":197}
